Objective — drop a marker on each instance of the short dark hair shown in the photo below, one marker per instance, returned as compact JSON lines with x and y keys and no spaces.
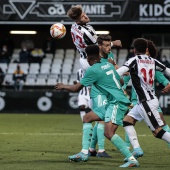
{"x":103,"y":37}
{"x":92,"y":52}
{"x":75,"y":12}
{"x":152,"y":49}
{"x":140,"y":44}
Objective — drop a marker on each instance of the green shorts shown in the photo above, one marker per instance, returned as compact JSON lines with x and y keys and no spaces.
{"x":112,"y":112}
{"x":99,"y":101}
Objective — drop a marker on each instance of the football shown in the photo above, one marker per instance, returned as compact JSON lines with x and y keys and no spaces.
{"x":58,"y":31}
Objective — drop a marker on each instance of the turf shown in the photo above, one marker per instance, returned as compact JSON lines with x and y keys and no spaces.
{"x":44,"y":142}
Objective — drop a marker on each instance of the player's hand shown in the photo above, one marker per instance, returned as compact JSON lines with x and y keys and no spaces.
{"x":126,"y":74}
{"x":166,"y":89}
{"x":113,"y":62}
{"x":59,"y":86}
{"x":117,"y":43}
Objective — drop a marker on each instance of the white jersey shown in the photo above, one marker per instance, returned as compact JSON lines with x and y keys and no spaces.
{"x":84,"y":91}
{"x":82,"y":36}
{"x":142,"y":70}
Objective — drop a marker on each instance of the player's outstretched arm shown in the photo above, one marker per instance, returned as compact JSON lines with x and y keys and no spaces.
{"x":73,"y":88}
{"x":122,"y":70}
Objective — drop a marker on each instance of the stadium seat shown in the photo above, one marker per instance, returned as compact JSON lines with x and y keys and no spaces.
{"x":47,"y":60}
{"x":56,"y":69}
{"x":4,"y":67}
{"x":68,"y":61}
{"x":8,"y":79}
{"x":45,"y":68}
{"x":41,"y":81}
{"x":60,"y":51}
{"x":61,"y":56}
{"x":49,"y":55}
{"x":73,"y":77}
{"x":69,"y":56}
{"x":64,"y":79}
{"x":30,"y":81}
{"x":70,"y":51}
{"x":34,"y":68}
{"x":24,"y":67}
{"x":11,"y":68}
{"x":14,"y":58}
{"x":57,"y":61}
{"x":51,"y":81}
{"x":66,"y":69}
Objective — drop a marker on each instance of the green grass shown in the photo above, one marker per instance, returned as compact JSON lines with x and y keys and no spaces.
{"x":44,"y":142}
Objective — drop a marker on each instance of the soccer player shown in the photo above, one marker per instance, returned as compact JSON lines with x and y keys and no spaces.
{"x":83,"y":96}
{"x":83,"y":34}
{"x":159,"y":77}
{"x":142,"y":70}
{"x":106,"y":79}
{"x":98,"y":99}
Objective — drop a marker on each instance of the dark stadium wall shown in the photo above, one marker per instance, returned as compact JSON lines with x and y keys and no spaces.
{"x":123,"y":32}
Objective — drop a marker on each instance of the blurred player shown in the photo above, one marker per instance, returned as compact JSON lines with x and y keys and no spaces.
{"x":83,"y":97}
{"x":142,"y":70}
{"x":105,"y":78}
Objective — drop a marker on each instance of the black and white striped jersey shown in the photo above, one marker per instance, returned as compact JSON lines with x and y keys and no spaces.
{"x":142,"y":70}
{"x":85,"y":90}
{"x":82,"y":36}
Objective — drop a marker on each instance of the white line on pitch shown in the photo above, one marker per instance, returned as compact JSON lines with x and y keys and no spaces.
{"x":56,"y":134}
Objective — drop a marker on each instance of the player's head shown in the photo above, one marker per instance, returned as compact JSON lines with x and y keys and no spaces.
{"x":78,"y":15}
{"x":152,"y":50}
{"x":140,"y":46}
{"x":104,"y":42}
{"x":92,"y":52}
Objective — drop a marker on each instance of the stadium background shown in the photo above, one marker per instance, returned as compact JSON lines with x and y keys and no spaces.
{"x":125,"y":19}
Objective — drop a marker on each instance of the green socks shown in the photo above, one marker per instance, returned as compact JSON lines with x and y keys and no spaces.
{"x":121,"y":146}
{"x":94,"y":137}
{"x":87,"y":134}
{"x":100,"y":137}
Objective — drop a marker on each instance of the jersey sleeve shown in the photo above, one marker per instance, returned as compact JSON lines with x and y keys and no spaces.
{"x":159,"y":77}
{"x":89,"y":78}
{"x":159,"y":66}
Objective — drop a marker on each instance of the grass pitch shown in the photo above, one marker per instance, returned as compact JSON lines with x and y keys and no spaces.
{"x":44,"y":142}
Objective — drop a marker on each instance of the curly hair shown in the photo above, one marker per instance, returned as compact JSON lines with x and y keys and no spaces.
{"x":152,"y":49}
{"x":140,"y":44}
{"x":75,"y":12}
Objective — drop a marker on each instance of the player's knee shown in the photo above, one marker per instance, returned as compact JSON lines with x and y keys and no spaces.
{"x":125,"y":123}
{"x":160,"y":134}
{"x":82,"y":108}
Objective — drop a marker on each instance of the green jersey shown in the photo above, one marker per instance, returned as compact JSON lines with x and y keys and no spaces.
{"x":94,"y":92}
{"x":105,"y":78}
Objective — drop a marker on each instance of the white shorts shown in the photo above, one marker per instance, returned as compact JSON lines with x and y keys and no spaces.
{"x":84,"y":100}
{"x":147,"y":111}
{"x":84,"y":64}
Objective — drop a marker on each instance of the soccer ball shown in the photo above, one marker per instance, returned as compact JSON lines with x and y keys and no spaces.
{"x":58,"y":31}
